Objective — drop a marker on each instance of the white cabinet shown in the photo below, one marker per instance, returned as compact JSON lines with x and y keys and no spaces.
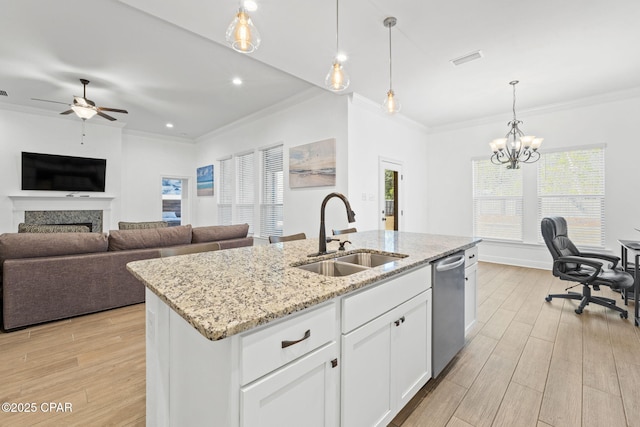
{"x":470,"y":288}
{"x":387,"y":359}
{"x":303,"y":393}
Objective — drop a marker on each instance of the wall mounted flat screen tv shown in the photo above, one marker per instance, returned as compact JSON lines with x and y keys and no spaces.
{"x":62,"y":173}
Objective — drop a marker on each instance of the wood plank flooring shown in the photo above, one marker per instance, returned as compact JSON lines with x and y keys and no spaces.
{"x":532,"y":363}
{"x":526,"y":363}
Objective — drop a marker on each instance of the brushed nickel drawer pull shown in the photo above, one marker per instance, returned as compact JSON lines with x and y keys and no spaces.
{"x":286,"y":344}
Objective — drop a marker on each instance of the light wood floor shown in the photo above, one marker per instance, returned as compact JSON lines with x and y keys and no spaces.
{"x":527,"y":362}
{"x":533,"y":363}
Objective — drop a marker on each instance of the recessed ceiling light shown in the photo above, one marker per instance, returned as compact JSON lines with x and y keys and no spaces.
{"x":250,"y":5}
{"x":169,"y":125}
{"x":237,"y":81}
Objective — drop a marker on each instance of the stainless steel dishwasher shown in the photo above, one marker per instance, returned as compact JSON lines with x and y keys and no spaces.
{"x":448,"y":310}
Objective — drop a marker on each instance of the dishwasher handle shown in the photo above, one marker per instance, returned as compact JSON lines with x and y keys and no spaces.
{"x":450,"y":263}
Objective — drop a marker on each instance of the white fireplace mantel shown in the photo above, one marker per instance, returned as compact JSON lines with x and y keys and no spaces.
{"x":62,"y":202}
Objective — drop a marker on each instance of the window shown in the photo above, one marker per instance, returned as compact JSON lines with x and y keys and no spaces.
{"x":497,"y":201}
{"x":225,"y":197}
{"x":271,"y":206}
{"x":571,"y":184}
{"x":245,"y":196}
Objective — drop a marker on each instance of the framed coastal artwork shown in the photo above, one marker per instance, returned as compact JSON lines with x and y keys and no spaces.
{"x":313,"y":165}
{"x":204,"y":180}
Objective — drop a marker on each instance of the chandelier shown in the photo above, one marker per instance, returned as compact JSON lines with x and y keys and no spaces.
{"x":515,"y":147}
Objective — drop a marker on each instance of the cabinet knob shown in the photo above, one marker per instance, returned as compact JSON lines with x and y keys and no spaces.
{"x":334,"y":363}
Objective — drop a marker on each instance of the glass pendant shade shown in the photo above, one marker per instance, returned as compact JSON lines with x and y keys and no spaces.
{"x":84,"y":112}
{"x":242,"y":35}
{"x":337,"y":79}
{"x":391,"y":103}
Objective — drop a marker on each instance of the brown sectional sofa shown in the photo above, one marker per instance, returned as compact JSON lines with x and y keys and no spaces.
{"x":52,"y":276}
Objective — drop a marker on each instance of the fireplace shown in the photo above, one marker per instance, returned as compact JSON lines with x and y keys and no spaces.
{"x":39,"y":208}
{"x":89,"y":218}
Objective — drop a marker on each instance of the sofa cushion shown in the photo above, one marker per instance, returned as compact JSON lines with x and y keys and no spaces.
{"x":123,"y":225}
{"x":121,"y":240}
{"x":60,"y":228}
{"x":215,"y":233}
{"x":34,"y":245}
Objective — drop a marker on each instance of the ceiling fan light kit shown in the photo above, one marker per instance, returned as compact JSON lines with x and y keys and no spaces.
{"x":515,"y":147}
{"x":337,"y":79}
{"x":391,"y":104}
{"x":242,"y":35}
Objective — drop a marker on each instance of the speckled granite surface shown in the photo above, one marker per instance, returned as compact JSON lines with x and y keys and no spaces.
{"x":226,"y":292}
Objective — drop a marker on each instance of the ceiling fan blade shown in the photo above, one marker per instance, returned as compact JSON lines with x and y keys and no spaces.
{"x":115,"y":110}
{"x":67,"y":112}
{"x":46,"y":100}
{"x":101,"y":114}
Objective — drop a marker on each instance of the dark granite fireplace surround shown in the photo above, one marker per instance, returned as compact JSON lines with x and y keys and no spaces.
{"x":92,"y":218}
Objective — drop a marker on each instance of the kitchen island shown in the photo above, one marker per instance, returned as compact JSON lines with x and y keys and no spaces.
{"x":245,"y":336}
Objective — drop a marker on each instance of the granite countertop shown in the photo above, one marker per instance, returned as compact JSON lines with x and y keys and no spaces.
{"x":226,"y":292}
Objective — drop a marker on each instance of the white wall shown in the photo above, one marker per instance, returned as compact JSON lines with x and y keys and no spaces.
{"x":610,"y":120}
{"x":316,"y":115}
{"x":134,"y":163}
{"x":146,"y":159}
{"x":30,"y":131}
{"x":372,"y":135}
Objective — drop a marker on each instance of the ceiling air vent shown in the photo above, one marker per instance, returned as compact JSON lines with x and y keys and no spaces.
{"x":3,"y":93}
{"x":467,"y":58}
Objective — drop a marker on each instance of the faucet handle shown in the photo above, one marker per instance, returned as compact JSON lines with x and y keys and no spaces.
{"x":330,"y":239}
{"x":341,"y":248}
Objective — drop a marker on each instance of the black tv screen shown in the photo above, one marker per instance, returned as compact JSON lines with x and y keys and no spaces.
{"x":62,"y":173}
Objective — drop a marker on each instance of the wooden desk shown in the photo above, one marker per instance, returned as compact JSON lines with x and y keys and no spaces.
{"x":632,"y":246}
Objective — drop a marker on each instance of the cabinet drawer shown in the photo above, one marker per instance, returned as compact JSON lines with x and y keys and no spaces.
{"x":373,"y":301}
{"x":471,"y":256}
{"x":274,"y":346}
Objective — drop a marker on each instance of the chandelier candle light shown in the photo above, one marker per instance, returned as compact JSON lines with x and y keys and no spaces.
{"x":391,"y":104}
{"x":337,"y":80}
{"x":515,"y":147}
{"x":242,"y":35}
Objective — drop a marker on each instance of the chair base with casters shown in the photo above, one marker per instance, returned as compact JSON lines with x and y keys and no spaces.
{"x":585,"y":298}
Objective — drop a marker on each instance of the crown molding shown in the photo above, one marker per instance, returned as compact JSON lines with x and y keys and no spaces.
{"x":545,"y":109}
{"x":168,"y":138}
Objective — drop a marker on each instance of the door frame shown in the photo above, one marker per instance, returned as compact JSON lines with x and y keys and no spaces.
{"x":386,"y":163}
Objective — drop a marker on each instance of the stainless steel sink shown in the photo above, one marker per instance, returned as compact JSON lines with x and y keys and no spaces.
{"x":333,"y":268}
{"x":368,"y":259}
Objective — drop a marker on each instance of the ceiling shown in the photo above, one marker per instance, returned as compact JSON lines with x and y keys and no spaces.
{"x":166,"y":61}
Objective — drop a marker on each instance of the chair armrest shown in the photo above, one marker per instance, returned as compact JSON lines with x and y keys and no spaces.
{"x":611,"y":258}
{"x":597,"y":266}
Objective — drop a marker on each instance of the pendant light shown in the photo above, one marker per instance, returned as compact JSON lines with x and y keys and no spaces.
{"x":515,"y":147}
{"x":391,"y":104}
{"x":337,"y":79}
{"x":242,"y":35}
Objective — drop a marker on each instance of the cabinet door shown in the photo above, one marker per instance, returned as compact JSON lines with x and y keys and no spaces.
{"x":470,"y":296}
{"x":303,"y":393}
{"x":366,"y":374}
{"x":411,"y":347}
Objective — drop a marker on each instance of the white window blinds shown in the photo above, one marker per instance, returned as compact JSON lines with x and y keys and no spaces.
{"x":571,"y":185}
{"x":497,"y":201}
{"x":225,"y":194}
{"x":271,"y":206}
{"x":245,"y":183}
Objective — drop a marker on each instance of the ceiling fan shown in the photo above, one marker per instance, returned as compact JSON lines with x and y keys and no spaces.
{"x":86,"y":108}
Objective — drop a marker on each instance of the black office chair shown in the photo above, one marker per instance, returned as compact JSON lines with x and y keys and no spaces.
{"x":291,"y":237}
{"x":571,"y":264}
